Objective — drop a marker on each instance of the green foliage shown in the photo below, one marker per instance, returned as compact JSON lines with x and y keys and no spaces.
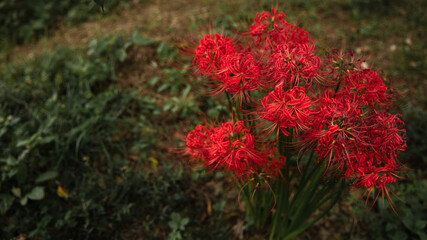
{"x":177,"y":225}
{"x":64,"y":125}
{"x":410,"y":223}
{"x":184,"y":105}
{"x":22,"y":20}
{"x":165,"y":52}
{"x":176,"y":81}
{"x":416,"y":129}
{"x":77,"y":159}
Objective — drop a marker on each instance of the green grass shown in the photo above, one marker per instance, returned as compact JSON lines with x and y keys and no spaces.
{"x":78,"y":157}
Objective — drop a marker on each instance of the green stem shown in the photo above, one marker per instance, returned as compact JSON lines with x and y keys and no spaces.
{"x":306,"y":197}
{"x":230,"y":104}
{"x":304,"y":227}
{"x":278,"y":210}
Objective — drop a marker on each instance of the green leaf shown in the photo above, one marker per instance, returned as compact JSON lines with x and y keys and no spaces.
{"x":49,"y":175}
{"x":186,"y":91}
{"x":36,"y":194}
{"x":138,"y":39}
{"x":173,"y":225}
{"x":163,"y":87}
{"x":175,"y":221}
{"x":92,"y":46}
{"x":3,"y":131}
{"x":168,"y":105}
{"x":121,"y":54}
{"x":400,"y":235}
{"x":23,"y":155}
{"x":24,"y":201}
{"x":184,"y":223}
{"x":420,"y":224}
{"x":153,"y":81}
{"x":6,"y":201}
{"x":165,"y":52}
{"x":175,"y":217}
{"x":421,"y":234}
{"x":409,"y":221}
{"x":390,"y":226}
{"x":47,"y":139}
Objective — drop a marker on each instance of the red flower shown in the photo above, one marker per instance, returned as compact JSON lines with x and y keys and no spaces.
{"x":267,"y":27}
{"x":239,"y":74}
{"x":196,"y":142}
{"x":228,"y":147}
{"x":335,"y":127}
{"x":290,"y":63}
{"x":285,"y":110}
{"x":210,"y":52}
{"x":271,"y":29}
{"x":367,"y":86}
{"x":361,"y":144}
{"x":333,"y":106}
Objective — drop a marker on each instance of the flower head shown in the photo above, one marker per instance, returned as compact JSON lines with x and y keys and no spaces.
{"x":270,"y":29}
{"x":285,"y":109}
{"x":367,"y":86}
{"x":227,"y":147}
{"x":239,"y":74}
{"x":210,"y":52}
{"x":291,"y":63}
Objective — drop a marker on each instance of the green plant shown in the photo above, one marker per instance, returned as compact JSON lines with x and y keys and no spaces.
{"x":166,"y":53}
{"x":177,"y":225}
{"x":66,"y":131}
{"x":174,"y":80}
{"x":78,"y":151}
{"x":184,"y":105}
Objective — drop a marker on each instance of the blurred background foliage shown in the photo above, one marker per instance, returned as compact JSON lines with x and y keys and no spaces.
{"x":87,"y":155}
{"x":24,"y":20}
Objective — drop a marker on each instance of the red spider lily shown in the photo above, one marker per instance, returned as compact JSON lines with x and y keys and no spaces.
{"x":196,"y":142}
{"x":290,"y":63}
{"x":335,"y":127}
{"x":376,"y":163}
{"x":210,"y":52}
{"x":285,"y":110}
{"x":271,"y":29}
{"x":228,"y":67}
{"x":239,"y":74}
{"x":371,"y":173}
{"x":267,"y":27}
{"x":386,"y":135}
{"x":228,"y":147}
{"x":333,"y":107}
{"x":360,"y":146}
{"x":275,"y":164}
{"x":367,"y":86}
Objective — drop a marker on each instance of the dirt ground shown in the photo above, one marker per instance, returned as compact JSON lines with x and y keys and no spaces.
{"x":160,"y":19}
